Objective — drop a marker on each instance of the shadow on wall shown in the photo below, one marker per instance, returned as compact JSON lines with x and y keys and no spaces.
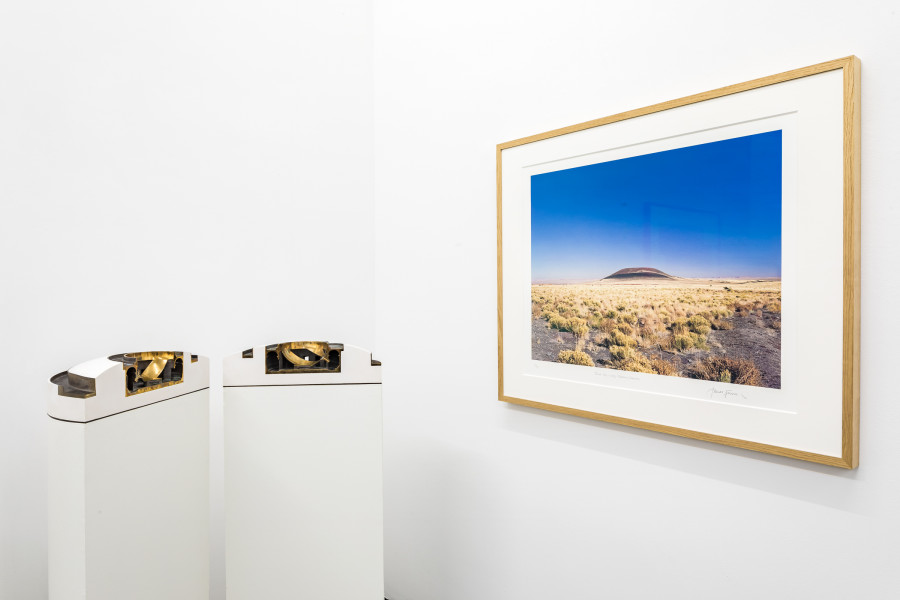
{"x":801,"y":480}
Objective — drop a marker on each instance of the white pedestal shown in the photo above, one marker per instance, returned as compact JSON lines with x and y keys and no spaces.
{"x":303,"y":481}
{"x":129,"y":491}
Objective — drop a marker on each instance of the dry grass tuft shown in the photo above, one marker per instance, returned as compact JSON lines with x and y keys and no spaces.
{"x":699,"y":341}
{"x":581,"y":330}
{"x":720,"y":324}
{"x":625,"y":328}
{"x":742,"y":310}
{"x":682,"y":342}
{"x":679,"y":326}
{"x":621,"y":352}
{"x":617,"y":338}
{"x":663,"y":367}
{"x":699,"y":324}
{"x":575,"y":357}
{"x":556,"y":321}
{"x":741,"y":371}
{"x":608,"y":325}
{"x":667,"y":343}
{"x":636,"y":363}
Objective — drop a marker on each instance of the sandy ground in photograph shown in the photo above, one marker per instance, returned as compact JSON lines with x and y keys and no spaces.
{"x":726,"y":330}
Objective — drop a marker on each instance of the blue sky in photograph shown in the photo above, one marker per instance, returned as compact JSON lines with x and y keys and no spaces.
{"x":710,"y":210}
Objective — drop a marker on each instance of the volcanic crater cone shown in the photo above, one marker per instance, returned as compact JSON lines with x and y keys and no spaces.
{"x":639,"y":273}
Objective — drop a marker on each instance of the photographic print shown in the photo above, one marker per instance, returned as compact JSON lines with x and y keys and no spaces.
{"x":665,"y":263}
{"x":692,"y":267}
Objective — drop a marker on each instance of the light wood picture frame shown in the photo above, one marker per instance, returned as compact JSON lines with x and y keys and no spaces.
{"x":692,"y":267}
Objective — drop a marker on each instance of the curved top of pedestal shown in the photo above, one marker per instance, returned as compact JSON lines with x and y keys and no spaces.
{"x":301,"y":363}
{"x":121,"y":382}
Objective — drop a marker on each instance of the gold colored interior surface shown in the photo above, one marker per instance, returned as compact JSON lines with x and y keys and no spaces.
{"x":155,"y":367}
{"x":147,"y":371}
{"x":318,"y":348}
{"x":303,"y":357}
{"x":153,"y":355}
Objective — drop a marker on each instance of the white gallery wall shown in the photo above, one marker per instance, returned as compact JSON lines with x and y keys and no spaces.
{"x":487,"y":501}
{"x":213,"y":175}
{"x":174,"y":175}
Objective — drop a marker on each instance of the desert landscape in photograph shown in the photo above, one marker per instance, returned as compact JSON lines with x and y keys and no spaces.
{"x":647,"y":321}
{"x":666,"y":263}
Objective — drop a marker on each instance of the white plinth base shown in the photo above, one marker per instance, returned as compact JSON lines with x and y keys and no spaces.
{"x":303,"y":492}
{"x":129,"y":504}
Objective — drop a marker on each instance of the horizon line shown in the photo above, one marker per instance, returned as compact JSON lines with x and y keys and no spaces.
{"x":671,"y":277}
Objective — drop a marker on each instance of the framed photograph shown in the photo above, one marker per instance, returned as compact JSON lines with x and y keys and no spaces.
{"x":692,"y":267}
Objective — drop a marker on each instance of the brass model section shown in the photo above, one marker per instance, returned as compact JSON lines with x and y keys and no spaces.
{"x":146,"y":371}
{"x":74,"y":386}
{"x":303,"y":357}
